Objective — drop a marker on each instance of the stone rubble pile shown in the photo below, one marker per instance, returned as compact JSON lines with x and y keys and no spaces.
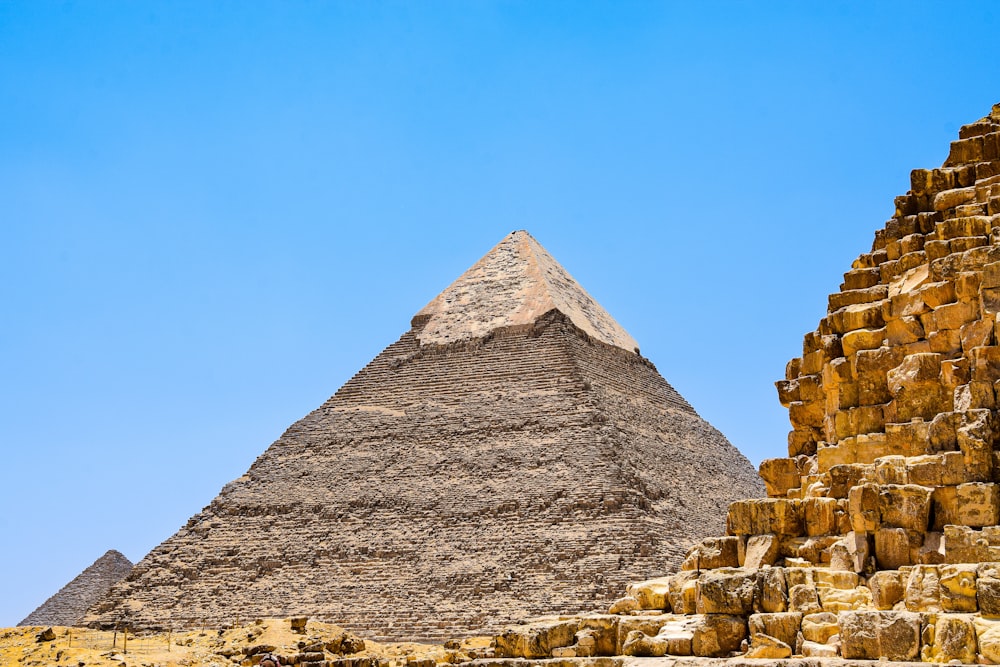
{"x":879,"y":537}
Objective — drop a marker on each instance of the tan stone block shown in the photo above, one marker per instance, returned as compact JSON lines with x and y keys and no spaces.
{"x":836,"y":600}
{"x":820,"y":515}
{"x":820,"y":627}
{"x":536,"y":639}
{"x":779,"y":475}
{"x":988,"y":638}
{"x":836,"y":579}
{"x":717,"y":635}
{"x":958,"y":588}
{"x":683,"y":592}
{"x":812,"y":363}
{"x":947,"y":342}
{"x":964,"y":150}
{"x":652,"y":593}
{"x":903,"y":330}
{"x":761,"y":550}
{"x":942,"y":434}
{"x":804,"y":598}
{"x":850,"y":553}
{"x":871,"y":446}
{"x":978,"y":333}
{"x":907,"y":437}
{"x":862,"y":339}
{"x":725,"y":592}
{"x":765,"y":647}
{"x":678,"y":636}
{"x":892,"y":548}
{"x":931,"y":552}
{"x":978,"y":504}
{"x":758,"y":516}
{"x":954,"y":640}
{"x":772,"y":591}
{"x":891,"y":470}
{"x":988,"y":589}
{"x":845,"y":476}
{"x":887,"y":587}
{"x":955,"y":372}
{"x":863,"y":507}
{"x":965,"y":545}
{"x":944,"y":500}
{"x":906,"y":304}
{"x":838,"y":300}
{"x":904,"y":506}
{"x":639,"y":644}
{"x":937,"y":294}
{"x":861,"y":279}
{"x":972,"y":396}
{"x":870,"y":635}
{"x":806,"y":414}
{"x":985,"y":363}
{"x":936,"y":249}
{"x":782,"y":626}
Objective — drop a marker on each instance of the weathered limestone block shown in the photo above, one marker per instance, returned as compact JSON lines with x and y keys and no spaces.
{"x":845,"y":476}
{"x":851,"y":552}
{"x":535,"y":639}
{"x":952,"y":637}
{"x":646,"y":625}
{"x":678,"y":636}
{"x":624,"y":605}
{"x":683,"y":591}
{"x":931,"y":552}
{"x":904,"y":506}
{"x":870,"y":635}
{"x":888,"y":587}
{"x":758,"y":516}
{"x":820,"y":627}
{"x":779,"y":476}
{"x":814,"y":550}
{"x":651,"y":594}
{"x":804,"y":598}
{"x":639,"y":644}
{"x":815,"y":650}
{"x":862,"y":339}
{"x":717,"y":635}
{"x":894,"y":548}
{"x":600,"y":631}
{"x":863,"y":507}
{"x":766,"y":647}
{"x":856,"y":316}
{"x":958,"y":587}
{"x":988,"y":638}
{"x":916,"y":388}
{"x":761,"y":550}
{"x":923,"y":589}
{"x":988,"y":589}
{"x":820,"y":515}
{"x":783,"y":626}
{"x":772,"y":591}
{"x":727,"y":591}
{"x":978,"y":504}
{"x":967,"y":545}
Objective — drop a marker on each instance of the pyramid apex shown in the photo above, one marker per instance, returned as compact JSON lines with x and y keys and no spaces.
{"x":515,"y":283}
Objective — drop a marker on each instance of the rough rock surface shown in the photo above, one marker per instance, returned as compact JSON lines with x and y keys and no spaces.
{"x":511,"y":454}
{"x":68,"y":606}
{"x":880,"y":535}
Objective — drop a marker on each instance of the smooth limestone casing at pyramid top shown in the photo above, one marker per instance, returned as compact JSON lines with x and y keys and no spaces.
{"x":511,"y":454}
{"x":879,"y":537}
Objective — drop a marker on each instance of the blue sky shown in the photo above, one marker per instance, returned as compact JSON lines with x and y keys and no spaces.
{"x":214,"y":213}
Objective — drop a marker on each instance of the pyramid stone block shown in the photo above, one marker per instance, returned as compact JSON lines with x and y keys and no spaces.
{"x":511,"y":454}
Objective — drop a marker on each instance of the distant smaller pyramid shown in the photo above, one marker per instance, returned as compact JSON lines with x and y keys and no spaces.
{"x":68,"y":605}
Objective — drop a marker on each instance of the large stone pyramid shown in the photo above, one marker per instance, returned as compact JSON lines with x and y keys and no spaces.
{"x":70,"y":603}
{"x":880,"y":535}
{"x":511,"y":454}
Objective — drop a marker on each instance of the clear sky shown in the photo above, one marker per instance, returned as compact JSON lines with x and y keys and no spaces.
{"x":214,"y":213}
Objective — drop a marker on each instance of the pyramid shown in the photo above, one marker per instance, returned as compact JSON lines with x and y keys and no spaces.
{"x":68,"y":606}
{"x":512,"y":453}
{"x":880,"y":535}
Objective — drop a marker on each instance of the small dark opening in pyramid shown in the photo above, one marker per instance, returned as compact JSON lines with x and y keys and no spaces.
{"x":510,"y":455}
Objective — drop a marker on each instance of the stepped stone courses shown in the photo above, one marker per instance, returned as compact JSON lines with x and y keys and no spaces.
{"x":70,"y":603}
{"x":879,"y":538}
{"x":511,"y":454}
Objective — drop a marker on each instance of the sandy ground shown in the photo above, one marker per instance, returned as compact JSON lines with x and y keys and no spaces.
{"x":79,"y":647}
